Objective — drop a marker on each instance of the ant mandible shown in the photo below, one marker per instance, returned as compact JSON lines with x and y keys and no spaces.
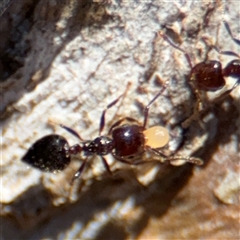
{"x":209,"y":75}
{"x":126,"y":142}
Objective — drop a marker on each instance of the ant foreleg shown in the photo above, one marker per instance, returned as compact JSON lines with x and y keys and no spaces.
{"x":102,"y":119}
{"x":146,"y":109}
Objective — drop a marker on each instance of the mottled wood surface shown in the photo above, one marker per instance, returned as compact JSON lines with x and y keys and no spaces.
{"x":63,"y":62}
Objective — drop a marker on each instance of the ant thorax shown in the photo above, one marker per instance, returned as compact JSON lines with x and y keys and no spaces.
{"x":101,"y":145}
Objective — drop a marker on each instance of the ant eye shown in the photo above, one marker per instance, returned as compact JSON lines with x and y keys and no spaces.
{"x":48,"y":154}
{"x":208,"y":76}
{"x":156,"y":137}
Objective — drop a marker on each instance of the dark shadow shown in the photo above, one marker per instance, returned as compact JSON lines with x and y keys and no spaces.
{"x":220,"y":128}
{"x":112,"y":231}
{"x":14,"y":27}
{"x":38,"y":216}
{"x":17,"y":49}
{"x":227,"y":126}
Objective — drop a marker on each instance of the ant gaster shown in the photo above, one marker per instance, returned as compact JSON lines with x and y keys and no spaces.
{"x":209,"y":75}
{"x":126,"y":142}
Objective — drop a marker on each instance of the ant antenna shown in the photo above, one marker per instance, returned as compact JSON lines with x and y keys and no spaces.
{"x":227,"y":27}
{"x":163,"y":35}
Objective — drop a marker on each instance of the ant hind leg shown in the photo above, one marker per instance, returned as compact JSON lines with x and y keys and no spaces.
{"x":79,"y":171}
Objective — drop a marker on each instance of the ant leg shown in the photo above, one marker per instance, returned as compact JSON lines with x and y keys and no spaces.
{"x":146,"y":109}
{"x":230,"y":53}
{"x":159,"y":153}
{"x":230,"y":32}
{"x":106,"y":165}
{"x":70,"y":130}
{"x":102,"y":119}
{"x":79,"y":171}
{"x":142,"y":162}
{"x":213,"y":46}
{"x":197,"y":109}
{"x":228,"y":28}
{"x":164,"y":36}
{"x":226,"y":93}
{"x":129,"y":162}
{"x":119,"y":122}
{"x":193,"y":160}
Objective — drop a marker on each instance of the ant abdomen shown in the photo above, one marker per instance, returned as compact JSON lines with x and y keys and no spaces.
{"x":128,"y":141}
{"x":48,"y":154}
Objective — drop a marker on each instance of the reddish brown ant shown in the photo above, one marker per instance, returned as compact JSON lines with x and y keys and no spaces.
{"x":209,"y":75}
{"x":126,"y":142}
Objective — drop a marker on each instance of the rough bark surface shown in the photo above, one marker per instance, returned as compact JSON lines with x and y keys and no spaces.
{"x":63,"y":62}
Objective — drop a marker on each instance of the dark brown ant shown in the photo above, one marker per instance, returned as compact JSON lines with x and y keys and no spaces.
{"x":209,"y":75}
{"x":126,"y":142}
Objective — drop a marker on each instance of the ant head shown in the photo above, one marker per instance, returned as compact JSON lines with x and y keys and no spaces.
{"x":128,"y":140}
{"x":208,"y":76}
{"x":48,"y":154}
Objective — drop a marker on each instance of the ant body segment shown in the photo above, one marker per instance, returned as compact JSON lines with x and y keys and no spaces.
{"x":209,"y":76}
{"x":126,"y":142}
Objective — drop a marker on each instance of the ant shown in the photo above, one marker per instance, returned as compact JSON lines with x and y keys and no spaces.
{"x":209,"y":76}
{"x":126,"y":142}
